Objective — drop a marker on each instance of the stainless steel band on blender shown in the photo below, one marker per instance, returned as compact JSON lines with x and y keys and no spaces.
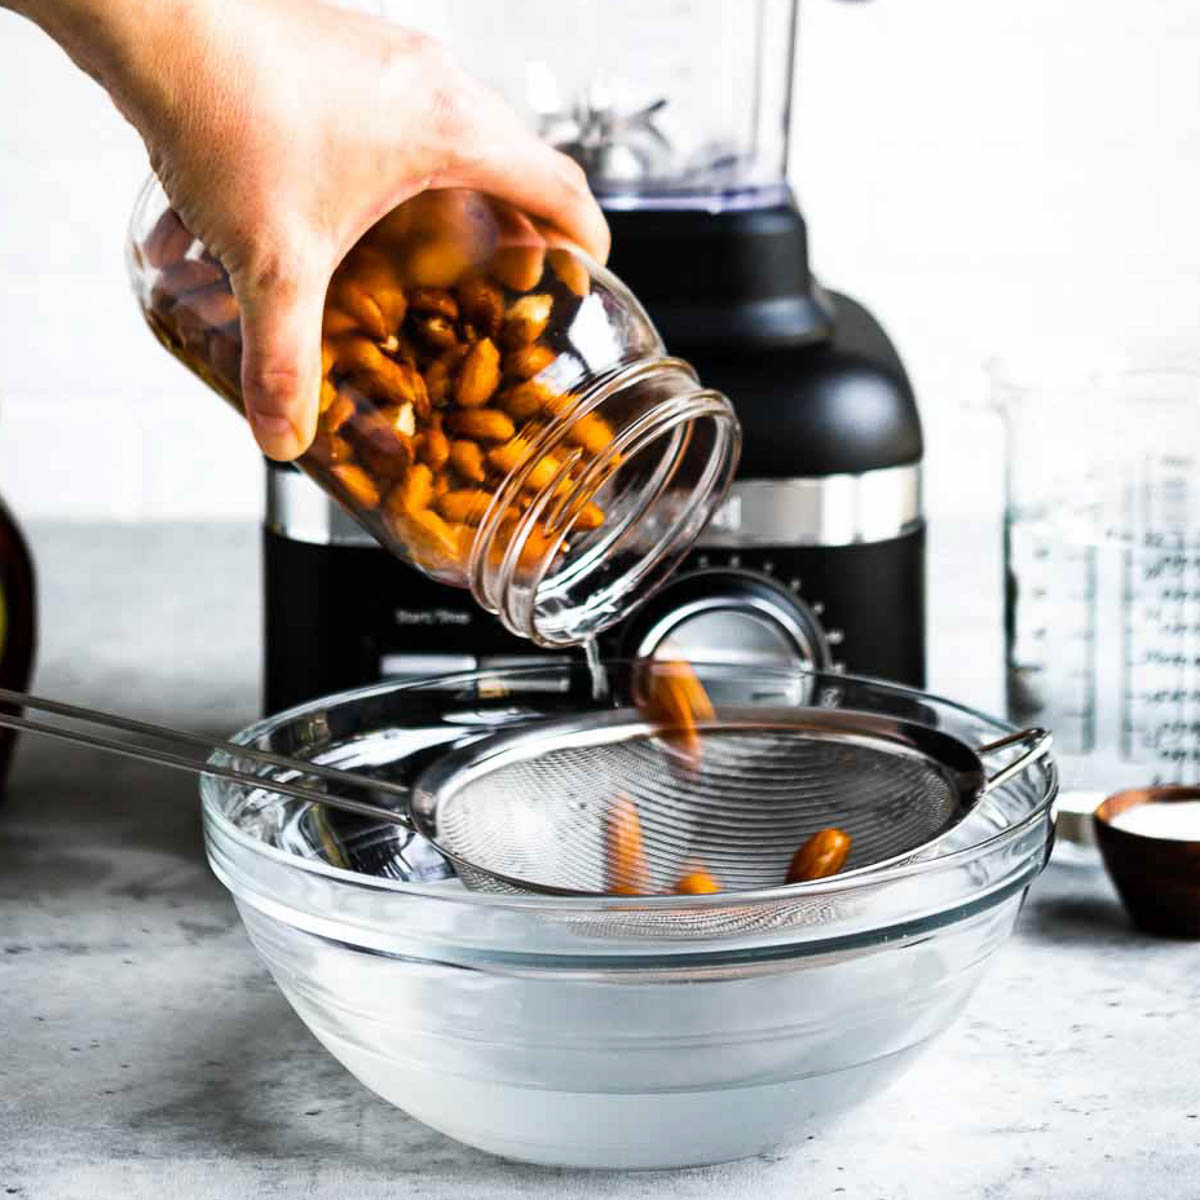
{"x":298,"y":510}
{"x":834,"y":510}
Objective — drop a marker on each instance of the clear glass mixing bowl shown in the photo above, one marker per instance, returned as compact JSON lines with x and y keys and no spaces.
{"x":607,"y":1031}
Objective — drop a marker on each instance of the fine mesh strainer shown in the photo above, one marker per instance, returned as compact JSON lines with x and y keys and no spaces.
{"x":526,"y":811}
{"x":534,"y":805}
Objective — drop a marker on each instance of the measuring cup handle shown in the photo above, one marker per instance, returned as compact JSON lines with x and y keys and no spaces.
{"x":1037,"y":741}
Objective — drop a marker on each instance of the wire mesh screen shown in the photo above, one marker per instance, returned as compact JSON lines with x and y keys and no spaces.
{"x":740,"y":805}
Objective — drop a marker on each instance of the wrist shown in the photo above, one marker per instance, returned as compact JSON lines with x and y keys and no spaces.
{"x":123,"y":44}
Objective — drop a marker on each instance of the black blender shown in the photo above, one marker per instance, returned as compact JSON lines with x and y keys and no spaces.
{"x":679,"y":111}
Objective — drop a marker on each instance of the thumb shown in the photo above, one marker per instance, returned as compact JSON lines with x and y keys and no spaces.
{"x":281,"y":356}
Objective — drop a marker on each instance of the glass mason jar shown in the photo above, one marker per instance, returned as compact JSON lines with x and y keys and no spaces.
{"x":495,"y":408}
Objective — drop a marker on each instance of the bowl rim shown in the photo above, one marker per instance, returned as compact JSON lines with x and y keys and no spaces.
{"x":788,"y":893}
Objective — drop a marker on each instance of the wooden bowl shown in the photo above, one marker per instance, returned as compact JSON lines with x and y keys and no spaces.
{"x":1158,"y":879}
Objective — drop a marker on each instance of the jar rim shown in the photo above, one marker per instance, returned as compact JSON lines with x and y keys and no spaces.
{"x":532,"y":608}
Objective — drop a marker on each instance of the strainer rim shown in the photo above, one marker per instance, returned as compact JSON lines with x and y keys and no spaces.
{"x":871,"y":730}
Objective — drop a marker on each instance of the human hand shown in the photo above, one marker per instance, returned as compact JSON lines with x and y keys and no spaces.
{"x":281,"y":131}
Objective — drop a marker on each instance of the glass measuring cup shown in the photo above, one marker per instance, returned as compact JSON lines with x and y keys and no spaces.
{"x":1102,"y":566}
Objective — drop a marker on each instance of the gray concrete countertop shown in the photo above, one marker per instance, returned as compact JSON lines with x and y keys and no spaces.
{"x":144,"y":1051}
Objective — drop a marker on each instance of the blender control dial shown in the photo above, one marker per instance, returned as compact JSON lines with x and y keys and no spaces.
{"x":729,"y":613}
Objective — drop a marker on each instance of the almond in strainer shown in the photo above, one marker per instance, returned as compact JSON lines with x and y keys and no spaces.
{"x":824,"y":853}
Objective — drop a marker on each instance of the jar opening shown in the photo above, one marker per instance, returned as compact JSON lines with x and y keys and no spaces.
{"x":559,"y":578}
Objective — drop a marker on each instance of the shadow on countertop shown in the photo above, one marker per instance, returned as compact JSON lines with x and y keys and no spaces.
{"x":1078,"y":905}
{"x":83,"y":825}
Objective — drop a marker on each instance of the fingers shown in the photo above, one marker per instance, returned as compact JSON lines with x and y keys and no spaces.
{"x":545,"y":183}
{"x":496,"y":154}
{"x":281,"y":359}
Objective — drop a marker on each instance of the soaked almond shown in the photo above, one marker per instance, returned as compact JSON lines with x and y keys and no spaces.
{"x":438,"y":331}
{"x":330,"y":449}
{"x":167,"y":242}
{"x":526,"y":400}
{"x":479,"y":375}
{"x":591,"y":516}
{"x":592,"y":433}
{"x":414,"y":492}
{"x":526,"y":320}
{"x":520,"y":261}
{"x":485,"y":424}
{"x":467,"y":460}
{"x":536,"y":548}
{"x":433,"y":300}
{"x":669,"y":694}
{"x":571,"y":271}
{"x":328,"y":395}
{"x":373,"y":275}
{"x":357,"y":483}
{"x":440,"y":374}
{"x":466,"y":506}
{"x":519,"y":267}
{"x":527,"y":361}
{"x":482,"y":303}
{"x":336,"y":325}
{"x":338,"y":412}
{"x":824,"y":854}
{"x":433,"y":448}
{"x":697,"y":882}
{"x":626,"y":872}
{"x":346,"y":296}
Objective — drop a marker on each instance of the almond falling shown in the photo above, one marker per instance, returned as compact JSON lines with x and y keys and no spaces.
{"x":624,"y":850}
{"x":669,"y":694}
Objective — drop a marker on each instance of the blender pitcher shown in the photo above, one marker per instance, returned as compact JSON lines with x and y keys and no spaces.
{"x":694,"y":104}
{"x":679,"y":113}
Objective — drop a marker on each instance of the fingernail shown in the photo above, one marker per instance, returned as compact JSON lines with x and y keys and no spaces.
{"x":275,"y":435}
{"x":272,"y":427}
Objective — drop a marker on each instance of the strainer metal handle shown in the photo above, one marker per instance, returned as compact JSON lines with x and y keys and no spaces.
{"x":1038,"y":742}
{"x":143,"y":751}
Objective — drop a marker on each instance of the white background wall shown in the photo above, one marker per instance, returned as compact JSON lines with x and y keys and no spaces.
{"x":995,"y":178}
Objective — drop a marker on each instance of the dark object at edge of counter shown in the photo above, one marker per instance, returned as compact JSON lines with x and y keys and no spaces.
{"x":18,"y":622}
